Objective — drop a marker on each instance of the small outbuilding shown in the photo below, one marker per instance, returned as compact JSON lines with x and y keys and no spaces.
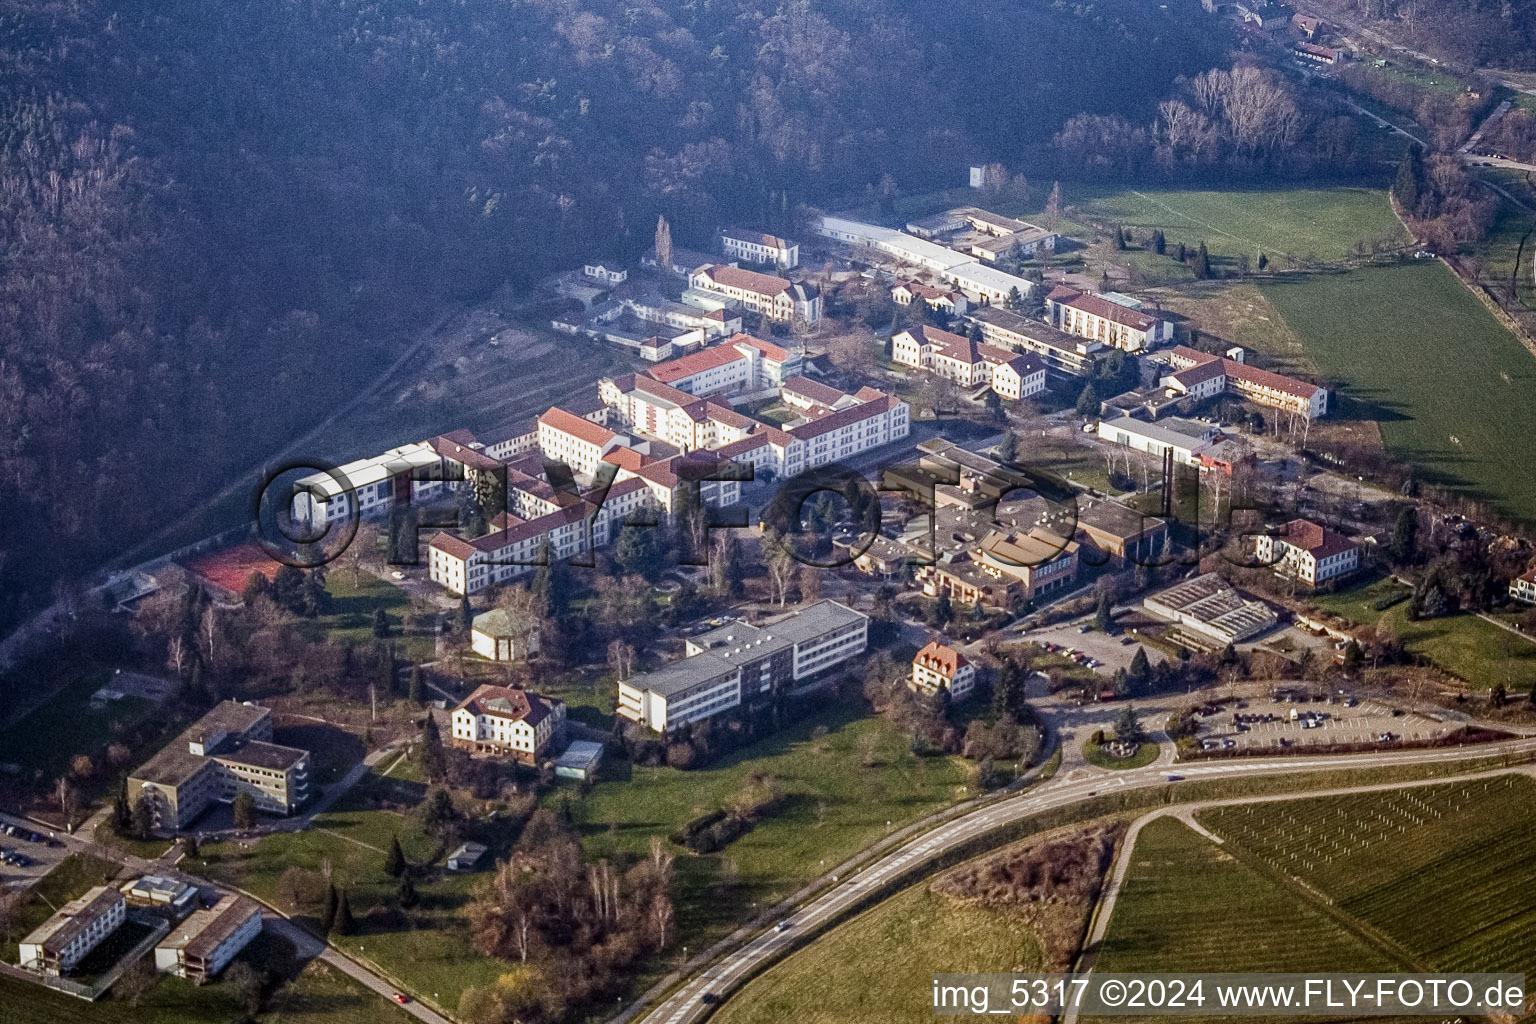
{"x":580,"y":760}
{"x":466,"y":857}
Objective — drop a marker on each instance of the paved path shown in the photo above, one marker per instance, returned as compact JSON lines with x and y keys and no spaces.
{"x":686,"y":1004}
{"x":311,"y":948}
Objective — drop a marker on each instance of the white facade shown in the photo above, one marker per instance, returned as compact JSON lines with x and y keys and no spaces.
{"x":1157,"y":438}
{"x":939,"y":667}
{"x":1311,"y":553}
{"x":57,"y":945}
{"x":774,"y":297}
{"x":203,"y":945}
{"x":758,"y":247}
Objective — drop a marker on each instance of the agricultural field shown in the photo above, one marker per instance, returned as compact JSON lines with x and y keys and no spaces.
{"x":1383,"y":858}
{"x":875,"y":968}
{"x":1454,"y":392}
{"x":1186,"y":905}
{"x":1476,"y":650}
{"x":1300,"y":224}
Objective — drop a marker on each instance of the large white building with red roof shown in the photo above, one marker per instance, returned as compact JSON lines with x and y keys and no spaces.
{"x":1086,"y":315}
{"x":513,"y":723}
{"x":1523,"y":587}
{"x":575,"y":440}
{"x":969,"y":363}
{"x":776,"y":298}
{"x":1201,"y":375}
{"x":1313,"y":554}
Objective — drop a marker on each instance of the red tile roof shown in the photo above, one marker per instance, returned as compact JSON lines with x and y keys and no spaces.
{"x":1200,"y":372}
{"x":756,"y":237}
{"x":1318,"y":541}
{"x":815,"y":391}
{"x":728,"y":416}
{"x":843,"y":417}
{"x":1265,"y":378}
{"x":456,"y":447}
{"x":505,"y":702}
{"x":1095,"y":305}
{"x":778,"y":353}
{"x":746,"y":280}
{"x":940,"y":658}
{"x":697,"y":362}
{"x":625,"y":458}
{"x":569,"y":423}
{"x":451,"y":545}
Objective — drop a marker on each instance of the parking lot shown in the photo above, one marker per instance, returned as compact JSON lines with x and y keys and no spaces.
{"x":1111,"y":651}
{"x":1270,"y":724}
{"x":43,"y":856}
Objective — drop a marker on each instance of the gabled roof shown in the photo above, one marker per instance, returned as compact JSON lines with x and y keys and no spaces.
{"x":843,"y":417}
{"x":778,"y":353}
{"x":506,"y":703}
{"x":1097,"y":305}
{"x":940,"y":658}
{"x":1200,"y":372}
{"x":1317,"y":541}
{"x":746,"y":280}
{"x":557,"y":418}
{"x":1269,"y":379}
{"x":812,"y":390}
{"x":757,"y":237}
{"x":696,"y":362}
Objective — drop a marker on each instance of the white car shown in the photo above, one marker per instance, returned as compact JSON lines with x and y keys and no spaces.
{"x":397,"y":575}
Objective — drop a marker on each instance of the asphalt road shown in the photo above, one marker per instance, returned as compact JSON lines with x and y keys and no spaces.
{"x":686,"y":1005}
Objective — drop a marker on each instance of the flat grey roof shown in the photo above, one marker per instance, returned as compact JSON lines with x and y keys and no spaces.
{"x":258,"y":754}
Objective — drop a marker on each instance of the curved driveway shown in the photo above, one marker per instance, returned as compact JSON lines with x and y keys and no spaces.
{"x":685,"y":1005}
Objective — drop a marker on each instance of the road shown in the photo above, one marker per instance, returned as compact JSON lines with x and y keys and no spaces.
{"x":308,"y":945}
{"x":686,"y":1005}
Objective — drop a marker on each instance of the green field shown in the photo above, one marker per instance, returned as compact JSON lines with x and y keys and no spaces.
{"x":350,"y":620}
{"x":1460,"y":848}
{"x":1408,"y":346}
{"x":1303,"y":223}
{"x":431,"y":955}
{"x":876,"y":968}
{"x":52,"y":734}
{"x":319,"y":995}
{"x":1474,"y":649}
{"x":833,"y":806}
{"x":1187,"y":905}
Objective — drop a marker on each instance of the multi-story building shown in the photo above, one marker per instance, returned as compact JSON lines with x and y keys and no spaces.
{"x":576,"y":441}
{"x":968,"y":363}
{"x":1103,"y":319}
{"x":983,"y":283}
{"x":1122,"y":534}
{"x":1004,"y":567}
{"x":227,"y":752}
{"x":951,"y":301}
{"x":411,"y":472}
{"x":1261,"y":387}
{"x":204,"y":944}
{"x":1523,"y":587}
{"x":1310,"y":552}
{"x":741,"y":363}
{"x":57,"y":945}
{"x":758,"y":247}
{"x":776,"y":298}
{"x":1187,"y":439}
{"x":1063,"y":353}
{"x":512,"y":723}
{"x":983,"y":234}
{"x":739,"y":664}
{"x":940,"y":667}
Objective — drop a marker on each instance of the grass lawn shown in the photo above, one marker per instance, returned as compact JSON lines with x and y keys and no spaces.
{"x":1454,"y":392}
{"x":1145,"y":755}
{"x":71,"y":877}
{"x":1385,"y":857}
{"x":1474,"y":649}
{"x":1187,"y":905}
{"x":875,"y":969}
{"x":319,"y":995}
{"x":53,"y":733}
{"x":350,"y":620}
{"x":1303,"y":223}
{"x":430,"y":955}
{"x":833,"y":806}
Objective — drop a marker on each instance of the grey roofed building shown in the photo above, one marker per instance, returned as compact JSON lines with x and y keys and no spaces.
{"x":579,"y":760}
{"x":466,"y":856}
{"x":1208,"y":605}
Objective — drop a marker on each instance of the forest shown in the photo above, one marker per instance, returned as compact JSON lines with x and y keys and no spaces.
{"x":217,"y":221}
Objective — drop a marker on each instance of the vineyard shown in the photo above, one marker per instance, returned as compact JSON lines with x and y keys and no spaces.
{"x":1460,"y":848}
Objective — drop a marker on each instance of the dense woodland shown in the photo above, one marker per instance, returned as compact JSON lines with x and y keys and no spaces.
{"x":1494,"y":33}
{"x":217,"y":220}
